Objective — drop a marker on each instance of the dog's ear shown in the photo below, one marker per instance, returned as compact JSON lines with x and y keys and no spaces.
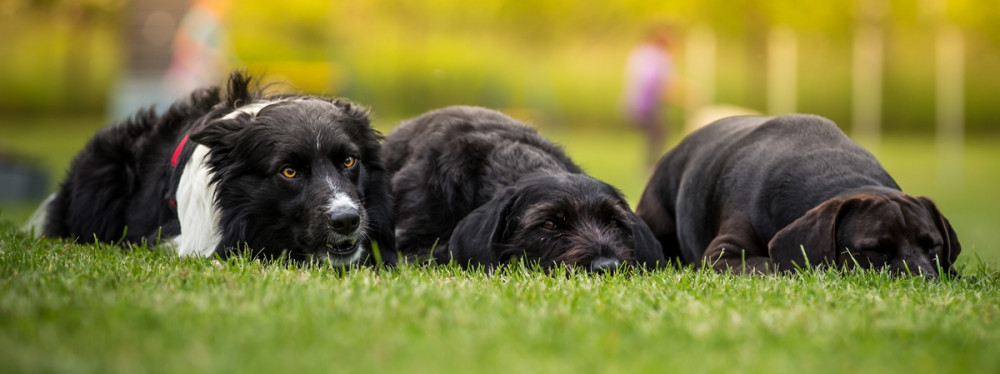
{"x":809,"y":240}
{"x":378,"y":205}
{"x":477,"y":238}
{"x":651,"y":211}
{"x":241,"y":89}
{"x":951,"y":245}
{"x":648,"y":251}
{"x":353,"y":112}
{"x":222,"y":132}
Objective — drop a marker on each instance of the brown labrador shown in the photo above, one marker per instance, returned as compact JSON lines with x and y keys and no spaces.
{"x":765,"y":194}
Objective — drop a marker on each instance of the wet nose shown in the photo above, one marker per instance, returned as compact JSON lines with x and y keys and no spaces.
{"x":345,"y":221}
{"x":604,"y":264}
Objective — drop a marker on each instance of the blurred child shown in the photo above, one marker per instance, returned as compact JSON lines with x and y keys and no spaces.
{"x":200,"y":49}
{"x":648,"y":73}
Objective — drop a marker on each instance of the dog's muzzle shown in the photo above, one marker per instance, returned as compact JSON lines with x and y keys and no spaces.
{"x":344,"y":223}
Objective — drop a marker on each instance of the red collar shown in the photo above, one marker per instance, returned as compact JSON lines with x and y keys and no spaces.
{"x":178,"y":150}
{"x":175,"y":159}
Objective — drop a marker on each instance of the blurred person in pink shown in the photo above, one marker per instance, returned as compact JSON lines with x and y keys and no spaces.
{"x":200,"y":50}
{"x":648,"y":74}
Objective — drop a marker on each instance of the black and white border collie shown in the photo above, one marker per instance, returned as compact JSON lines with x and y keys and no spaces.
{"x":223,"y":172}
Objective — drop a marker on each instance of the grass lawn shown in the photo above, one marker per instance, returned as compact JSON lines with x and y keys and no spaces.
{"x":102,"y":309}
{"x":98,"y":309}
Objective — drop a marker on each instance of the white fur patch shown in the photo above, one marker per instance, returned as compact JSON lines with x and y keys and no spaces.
{"x":196,"y":209}
{"x":251,"y":109}
{"x":36,"y":224}
{"x":341,"y":202}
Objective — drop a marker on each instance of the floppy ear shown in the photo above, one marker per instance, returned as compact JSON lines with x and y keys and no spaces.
{"x":477,"y":238}
{"x":660,"y":219}
{"x":815,"y":233}
{"x":220,"y":133}
{"x":951,"y":245}
{"x":378,"y":205}
{"x":648,"y":251}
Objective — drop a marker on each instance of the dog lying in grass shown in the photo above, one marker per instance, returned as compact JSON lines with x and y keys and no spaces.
{"x":760,"y":194}
{"x":220,"y":172}
{"x":480,"y":188}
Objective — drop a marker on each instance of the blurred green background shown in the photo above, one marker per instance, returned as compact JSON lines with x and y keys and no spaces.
{"x":560,"y":58}
{"x":555,"y":64}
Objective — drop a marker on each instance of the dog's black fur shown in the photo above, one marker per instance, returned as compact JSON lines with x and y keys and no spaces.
{"x":481,"y":188}
{"x":122,"y":186}
{"x":752,"y":193}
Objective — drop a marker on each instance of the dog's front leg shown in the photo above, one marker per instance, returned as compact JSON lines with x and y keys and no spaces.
{"x":736,"y":248}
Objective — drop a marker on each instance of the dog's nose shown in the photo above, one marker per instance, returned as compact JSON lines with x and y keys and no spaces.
{"x":345,"y":222}
{"x":603,"y":264}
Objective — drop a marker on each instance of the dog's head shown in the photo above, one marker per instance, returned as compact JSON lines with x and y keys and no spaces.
{"x":871,"y":229}
{"x":300,"y":176}
{"x":567,"y":219}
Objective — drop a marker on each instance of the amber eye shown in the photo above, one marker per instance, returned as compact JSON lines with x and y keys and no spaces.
{"x":289,"y":173}
{"x":350,"y":161}
{"x":613,"y":224}
{"x":549,"y":225}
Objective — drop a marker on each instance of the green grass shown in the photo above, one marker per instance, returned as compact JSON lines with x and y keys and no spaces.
{"x":66,"y":308}
{"x":103,"y":309}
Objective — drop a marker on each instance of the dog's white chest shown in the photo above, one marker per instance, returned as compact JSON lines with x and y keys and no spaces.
{"x":196,"y":209}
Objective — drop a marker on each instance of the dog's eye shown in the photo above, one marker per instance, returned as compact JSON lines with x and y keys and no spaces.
{"x":613,"y":224}
{"x":289,"y":173}
{"x":350,"y":161}
{"x":874,"y":255}
{"x":549,"y":225}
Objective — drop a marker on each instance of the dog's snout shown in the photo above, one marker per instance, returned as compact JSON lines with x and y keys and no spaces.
{"x":604,"y":264}
{"x":345,"y":221}
{"x":913,"y":266}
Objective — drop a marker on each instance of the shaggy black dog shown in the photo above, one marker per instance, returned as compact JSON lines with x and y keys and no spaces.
{"x":481,"y":188}
{"x":756,"y":194}
{"x":226,"y":171}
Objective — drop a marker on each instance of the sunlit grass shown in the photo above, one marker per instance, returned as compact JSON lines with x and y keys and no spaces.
{"x":70,"y":308}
